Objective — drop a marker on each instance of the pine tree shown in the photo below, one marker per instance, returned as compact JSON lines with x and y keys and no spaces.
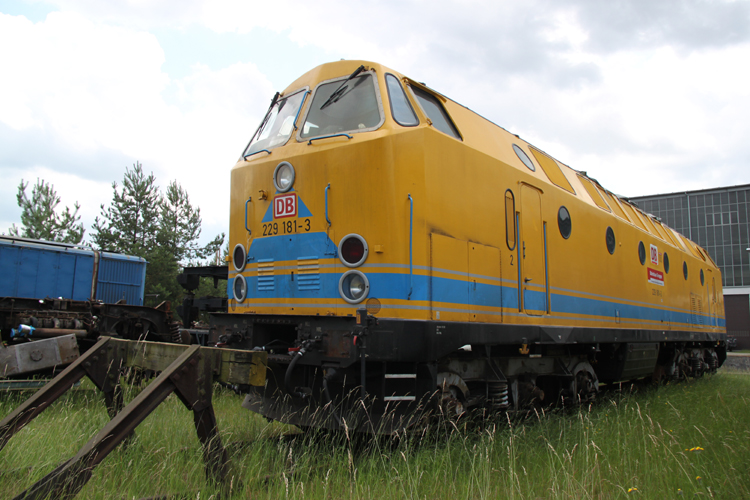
{"x":180,"y":227}
{"x":130,"y":224}
{"x":163,"y":229}
{"x":40,"y":219}
{"x":180,"y":224}
{"x":161,"y":278}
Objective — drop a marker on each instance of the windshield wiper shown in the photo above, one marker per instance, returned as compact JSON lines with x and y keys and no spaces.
{"x":268,"y":114}
{"x":339,"y":92}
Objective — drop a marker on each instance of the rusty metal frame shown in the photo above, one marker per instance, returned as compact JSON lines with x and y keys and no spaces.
{"x":188,"y":371}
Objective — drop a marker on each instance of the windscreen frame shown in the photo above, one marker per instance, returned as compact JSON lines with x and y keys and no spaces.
{"x":304,"y":90}
{"x":309,"y":107}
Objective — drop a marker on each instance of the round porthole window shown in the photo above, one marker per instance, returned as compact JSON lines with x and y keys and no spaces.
{"x":564,"y":222}
{"x":524,"y":158}
{"x":611,"y":242}
{"x":703,"y":278}
{"x":684,"y":269}
{"x":641,"y":252}
{"x":666,"y":263}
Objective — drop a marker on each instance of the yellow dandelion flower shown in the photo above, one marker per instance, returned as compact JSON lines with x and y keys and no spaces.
{"x":632,"y":490}
{"x":679,"y":491}
{"x":698,"y":478}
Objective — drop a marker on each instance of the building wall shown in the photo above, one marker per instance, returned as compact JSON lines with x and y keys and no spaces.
{"x":738,"y":318}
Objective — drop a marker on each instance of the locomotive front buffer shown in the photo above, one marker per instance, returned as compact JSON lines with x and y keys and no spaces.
{"x":188,"y":371}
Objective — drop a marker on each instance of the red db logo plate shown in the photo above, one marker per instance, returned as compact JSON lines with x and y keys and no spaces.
{"x":285,"y":205}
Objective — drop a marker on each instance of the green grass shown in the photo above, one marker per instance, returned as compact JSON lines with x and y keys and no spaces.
{"x":673,"y":441}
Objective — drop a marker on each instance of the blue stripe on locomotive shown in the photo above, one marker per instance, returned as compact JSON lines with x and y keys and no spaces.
{"x":456,"y":292}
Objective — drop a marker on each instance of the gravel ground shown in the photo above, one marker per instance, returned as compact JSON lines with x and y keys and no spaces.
{"x":737,"y":362}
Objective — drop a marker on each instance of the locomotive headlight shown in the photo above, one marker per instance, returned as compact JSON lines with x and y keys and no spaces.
{"x":354,"y":287}
{"x":353,"y":250}
{"x":239,"y":257}
{"x":283,"y":177}
{"x":240,"y":288}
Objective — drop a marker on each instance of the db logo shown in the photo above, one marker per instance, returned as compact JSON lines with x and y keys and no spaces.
{"x":285,"y":205}
{"x":654,"y":255}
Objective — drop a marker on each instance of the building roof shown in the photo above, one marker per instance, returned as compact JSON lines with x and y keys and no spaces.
{"x":697,"y":191}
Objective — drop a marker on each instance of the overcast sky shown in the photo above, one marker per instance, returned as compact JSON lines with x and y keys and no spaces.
{"x":646,"y":96}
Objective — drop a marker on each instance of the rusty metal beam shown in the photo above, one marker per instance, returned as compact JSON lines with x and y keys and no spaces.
{"x":190,"y":376}
{"x":189,"y":371}
{"x":66,"y":481}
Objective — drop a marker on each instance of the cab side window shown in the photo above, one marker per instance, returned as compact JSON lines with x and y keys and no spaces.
{"x":400,"y":105}
{"x":436,"y":113}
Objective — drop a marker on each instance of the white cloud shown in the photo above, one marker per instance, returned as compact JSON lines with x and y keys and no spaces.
{"x":219,"y":112}
{"x":69,"y":73}
{"x":91,"y":86}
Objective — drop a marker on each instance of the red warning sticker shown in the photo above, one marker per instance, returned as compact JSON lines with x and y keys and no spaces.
{"x":655,"y":277}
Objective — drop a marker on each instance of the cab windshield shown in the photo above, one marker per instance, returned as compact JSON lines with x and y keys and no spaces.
{"x":351,"y":107}
{"x":278,"y":125}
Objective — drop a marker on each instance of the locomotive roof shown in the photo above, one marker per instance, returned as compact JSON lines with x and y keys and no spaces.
{"x":337,"y":69}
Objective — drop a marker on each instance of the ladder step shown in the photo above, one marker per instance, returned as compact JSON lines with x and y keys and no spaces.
{"x":399,"y":398}
{"x":400,"y":375}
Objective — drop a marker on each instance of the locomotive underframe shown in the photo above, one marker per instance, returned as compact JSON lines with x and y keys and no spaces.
{"x":86,"y":320}
{"x":411,"y":369}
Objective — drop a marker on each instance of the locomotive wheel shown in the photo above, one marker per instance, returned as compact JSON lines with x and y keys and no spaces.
{"x":453,"y":394}
{"x":585,"y":387}
{"x":683,"y":367}
{"x":451,"y":405}
{"x":712,"y":361}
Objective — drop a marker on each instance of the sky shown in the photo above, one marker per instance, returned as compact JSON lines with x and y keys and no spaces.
{"x":646,"y":96}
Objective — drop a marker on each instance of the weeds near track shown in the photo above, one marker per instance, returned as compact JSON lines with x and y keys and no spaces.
{"x":655,"y":442}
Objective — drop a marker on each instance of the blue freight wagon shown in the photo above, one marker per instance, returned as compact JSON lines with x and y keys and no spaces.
{"x":41,"y":269}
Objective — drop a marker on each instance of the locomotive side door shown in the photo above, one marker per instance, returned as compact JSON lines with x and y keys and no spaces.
{"x":449,"y":276}
{"x":484,"y":282}
{"x":532,"y":252}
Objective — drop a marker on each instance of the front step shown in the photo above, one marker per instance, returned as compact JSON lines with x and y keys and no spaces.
{"x":401,"y":383}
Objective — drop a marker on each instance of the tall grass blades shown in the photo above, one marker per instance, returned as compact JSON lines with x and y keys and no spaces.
{"x":674,"y":441}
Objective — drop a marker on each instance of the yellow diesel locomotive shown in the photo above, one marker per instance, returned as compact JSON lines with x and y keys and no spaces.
{"x":396,"y":253}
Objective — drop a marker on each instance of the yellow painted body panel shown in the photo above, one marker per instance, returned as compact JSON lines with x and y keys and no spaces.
{"x":459,"y":266}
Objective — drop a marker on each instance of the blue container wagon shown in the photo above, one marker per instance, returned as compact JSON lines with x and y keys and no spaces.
{"x":42,"y":269}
